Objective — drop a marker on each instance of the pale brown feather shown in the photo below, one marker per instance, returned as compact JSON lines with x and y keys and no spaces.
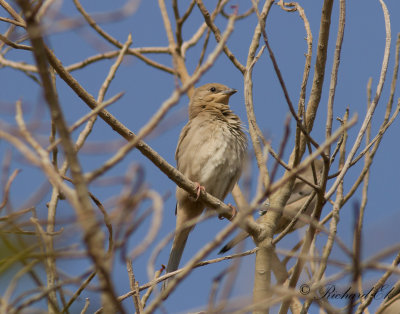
{"x":211,"y":151}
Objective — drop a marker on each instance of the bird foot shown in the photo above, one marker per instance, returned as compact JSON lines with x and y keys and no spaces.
{"x":233,"y":213}
{"x":199,"y":188}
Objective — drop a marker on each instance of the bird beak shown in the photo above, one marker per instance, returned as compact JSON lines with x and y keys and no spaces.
{"x":229,"y":92}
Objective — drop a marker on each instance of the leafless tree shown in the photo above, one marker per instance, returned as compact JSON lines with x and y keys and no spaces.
{"x":31,"y":234}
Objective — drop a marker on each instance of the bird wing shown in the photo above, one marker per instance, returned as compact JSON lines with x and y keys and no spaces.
{"x":182,"y":138}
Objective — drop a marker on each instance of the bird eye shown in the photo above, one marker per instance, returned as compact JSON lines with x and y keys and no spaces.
{"x":213,"y":89}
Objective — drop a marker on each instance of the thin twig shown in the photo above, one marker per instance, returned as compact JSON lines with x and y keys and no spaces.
{"x":217,"y":35}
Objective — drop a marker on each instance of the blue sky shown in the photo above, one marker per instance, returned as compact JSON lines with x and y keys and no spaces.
{"x":146,"y":88}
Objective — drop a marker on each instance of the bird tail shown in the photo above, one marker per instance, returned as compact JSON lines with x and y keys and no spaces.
{"x":175,"y":256}
{"x":239,"y":238}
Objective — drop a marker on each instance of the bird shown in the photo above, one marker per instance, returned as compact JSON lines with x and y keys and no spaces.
{"x":211,"y":152}
{"x":300,"y":193}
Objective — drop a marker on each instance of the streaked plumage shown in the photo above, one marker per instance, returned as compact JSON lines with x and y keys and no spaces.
{"x":211,"y":151}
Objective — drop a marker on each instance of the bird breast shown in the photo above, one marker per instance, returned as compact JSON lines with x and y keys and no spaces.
{"x":212,"y":154}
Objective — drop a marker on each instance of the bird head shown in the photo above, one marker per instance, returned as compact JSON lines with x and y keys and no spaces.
{"x":211,"y":95}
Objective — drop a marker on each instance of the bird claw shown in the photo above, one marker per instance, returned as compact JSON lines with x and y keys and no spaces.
{"x":233,"y":213}
{"x":199,"y":188}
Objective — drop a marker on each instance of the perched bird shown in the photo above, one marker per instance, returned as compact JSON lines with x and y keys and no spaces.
{"x":300,"y":193}
{"x":211,"y":151}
